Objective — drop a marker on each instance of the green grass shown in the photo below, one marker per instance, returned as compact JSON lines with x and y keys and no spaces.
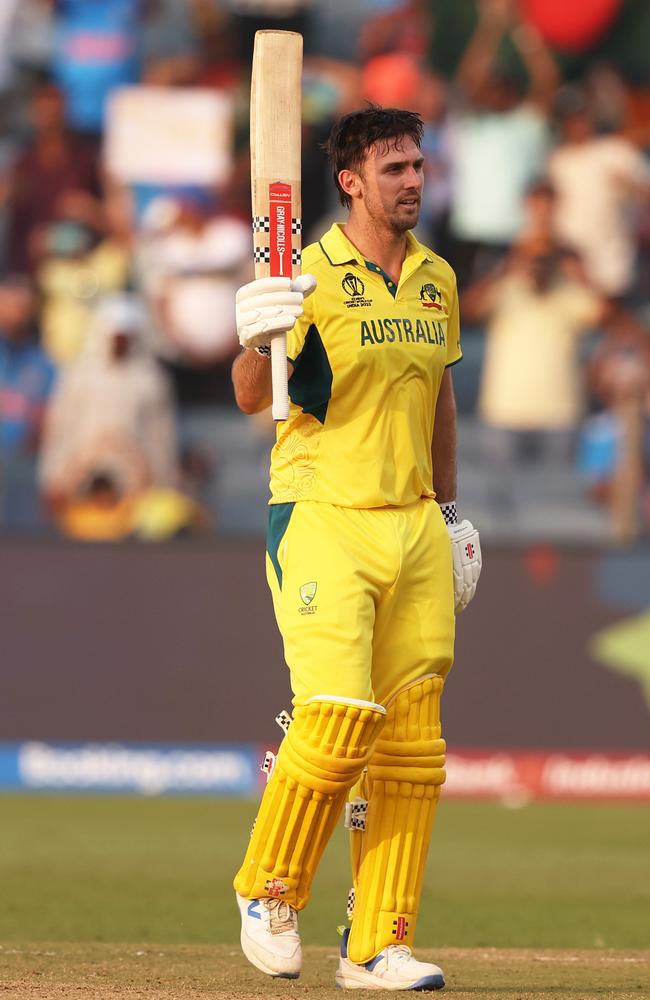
{"x":159,"y":870}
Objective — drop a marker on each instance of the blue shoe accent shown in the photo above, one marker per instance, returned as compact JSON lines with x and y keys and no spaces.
{"x":373,"y":961}
{"x":344,"y":950}
{"x":253,"y":909}
{"x":428,"y":983}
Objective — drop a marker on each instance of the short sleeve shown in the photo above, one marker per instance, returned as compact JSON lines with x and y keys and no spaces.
{"x":454,"y":352}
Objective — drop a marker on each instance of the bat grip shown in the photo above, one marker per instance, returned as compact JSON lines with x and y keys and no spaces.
{"x":279,"y":377}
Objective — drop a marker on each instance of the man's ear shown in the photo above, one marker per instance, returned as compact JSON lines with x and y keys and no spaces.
{"x":350,"y":182}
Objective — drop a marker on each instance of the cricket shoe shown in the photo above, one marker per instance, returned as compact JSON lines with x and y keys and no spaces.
{"x":394,"y":968}
{"x":269,"y":936}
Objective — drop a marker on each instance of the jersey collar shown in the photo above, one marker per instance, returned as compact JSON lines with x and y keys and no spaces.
{"x":339,"y":250}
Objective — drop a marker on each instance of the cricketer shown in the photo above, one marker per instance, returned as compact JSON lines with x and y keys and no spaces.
{"x":366,"y":561}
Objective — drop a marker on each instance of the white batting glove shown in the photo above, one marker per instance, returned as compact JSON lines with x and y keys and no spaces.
{"x":466,"y":555}
{"x":270,"y":305}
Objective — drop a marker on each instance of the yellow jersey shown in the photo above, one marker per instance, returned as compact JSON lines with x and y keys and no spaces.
{"x":368,"y":360}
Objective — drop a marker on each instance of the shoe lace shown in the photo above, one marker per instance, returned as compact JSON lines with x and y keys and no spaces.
{"x":282,"y":916}
{"x":399,"y":953}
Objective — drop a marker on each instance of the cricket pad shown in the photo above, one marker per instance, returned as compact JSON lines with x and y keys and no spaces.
{"x":402,"y":786}
{"x":326,"y":748}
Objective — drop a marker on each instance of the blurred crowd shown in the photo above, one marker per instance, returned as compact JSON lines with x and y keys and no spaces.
{"x":125,"y":230}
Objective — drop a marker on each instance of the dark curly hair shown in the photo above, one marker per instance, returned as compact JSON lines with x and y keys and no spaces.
{"x":354,"y":134}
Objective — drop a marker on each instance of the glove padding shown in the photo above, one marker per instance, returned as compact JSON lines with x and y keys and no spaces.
{"x":466,"y":556}
{"x":270,"y":305}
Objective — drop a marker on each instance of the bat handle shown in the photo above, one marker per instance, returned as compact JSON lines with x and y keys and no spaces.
{"x":279,"y":377}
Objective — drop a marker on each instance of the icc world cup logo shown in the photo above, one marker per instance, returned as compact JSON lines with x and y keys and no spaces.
{"x":353,"y":286}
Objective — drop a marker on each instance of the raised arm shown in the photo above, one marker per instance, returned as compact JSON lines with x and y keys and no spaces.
{"x":480,"y":55}
{"x":251,"y":378}
{"x":264,"y":307}
{"x":495,"y":19}
{"x":543,"y":74}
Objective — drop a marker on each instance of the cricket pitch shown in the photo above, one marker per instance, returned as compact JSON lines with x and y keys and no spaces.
{"x":109,"y":971}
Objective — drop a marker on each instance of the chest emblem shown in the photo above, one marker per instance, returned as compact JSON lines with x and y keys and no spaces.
{"x":354,"y":287}
{"x":431,"y":296}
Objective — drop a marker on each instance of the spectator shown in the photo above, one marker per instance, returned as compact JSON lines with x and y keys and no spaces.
{"x":531,"y":393}
{"x":104,"y":513}
{"x":53,"y":164}
{"x":598,"y":179}
{"x":112,"y":415}
{"x":26,"y":380}
{"x":99,"y":511}
{"x":499,"y":139}
{"x":538,"y":213}
{"x":537,"y":237}
{"x":614,"y":453}
{"x":191,"y":268}
{"x":84,"y":255}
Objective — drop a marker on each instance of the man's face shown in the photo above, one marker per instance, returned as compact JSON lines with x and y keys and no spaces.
{"x":391,"y":183}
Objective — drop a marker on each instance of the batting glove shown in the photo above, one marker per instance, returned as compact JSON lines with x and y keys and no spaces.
{"x":270,"y":305}
{"x":466,"y":555}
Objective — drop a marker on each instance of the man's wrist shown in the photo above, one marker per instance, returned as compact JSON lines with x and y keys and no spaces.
{"x":449,"y":512}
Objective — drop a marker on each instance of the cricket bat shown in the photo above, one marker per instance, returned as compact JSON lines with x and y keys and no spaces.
{"x":275,"y":175}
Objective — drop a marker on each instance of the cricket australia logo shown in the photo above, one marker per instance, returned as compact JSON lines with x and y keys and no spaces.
{"x":353,"y":286}
{"x":431,"y":296}
{"x":307,"y":594}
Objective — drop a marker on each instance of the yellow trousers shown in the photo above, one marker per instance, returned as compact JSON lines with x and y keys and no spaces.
{"x":363,"y":598}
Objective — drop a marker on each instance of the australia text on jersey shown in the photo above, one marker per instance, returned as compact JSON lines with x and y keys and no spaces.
{"x":404,"y":331}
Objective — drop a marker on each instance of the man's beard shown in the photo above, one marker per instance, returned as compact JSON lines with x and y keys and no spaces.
{"x":402,"y":225}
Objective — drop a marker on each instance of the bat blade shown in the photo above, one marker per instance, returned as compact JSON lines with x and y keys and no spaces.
{"x":275,"y":124}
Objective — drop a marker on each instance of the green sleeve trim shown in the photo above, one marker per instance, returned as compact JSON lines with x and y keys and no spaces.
{"x":310,"y":386}
{"x":452,"y":363}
